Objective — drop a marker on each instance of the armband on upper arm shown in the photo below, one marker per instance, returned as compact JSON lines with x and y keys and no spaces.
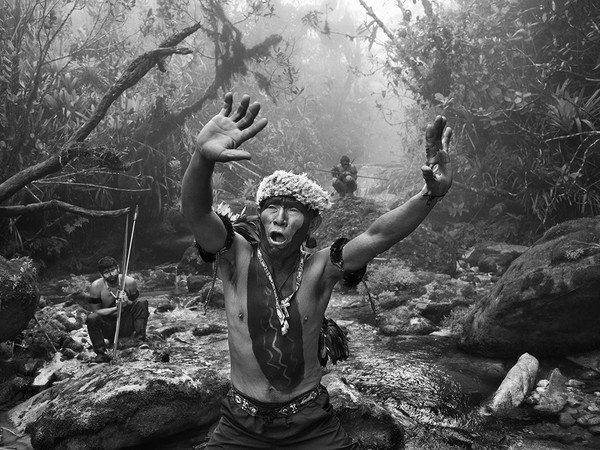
{"x":351,"y":278}
{"x":211,"y":257}
{"x":95,"y":300}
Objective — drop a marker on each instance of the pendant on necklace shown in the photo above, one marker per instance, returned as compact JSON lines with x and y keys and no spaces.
{"x":282,"y":305}
{"x":285,"y":326}
{"x":110,"y":290}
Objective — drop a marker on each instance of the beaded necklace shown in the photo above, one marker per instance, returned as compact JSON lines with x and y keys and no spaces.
{"x":282,"y":304}
{"x":110,"y":290}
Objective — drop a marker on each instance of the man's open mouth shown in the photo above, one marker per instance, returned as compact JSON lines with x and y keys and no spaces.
{"x":277,"y":237}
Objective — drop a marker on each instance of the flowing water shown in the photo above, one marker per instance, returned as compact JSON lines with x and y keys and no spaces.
{"x":435,"y":389}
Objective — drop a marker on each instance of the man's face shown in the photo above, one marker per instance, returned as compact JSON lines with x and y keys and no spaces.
{"x":111,"y":274}
{"x":285,"y":223}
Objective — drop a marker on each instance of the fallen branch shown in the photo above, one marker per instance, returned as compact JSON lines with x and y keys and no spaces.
{"x":75,"y":147}
{"x":93,"y":186}
{"x":136,"y":70}
{"x":18,"y":210}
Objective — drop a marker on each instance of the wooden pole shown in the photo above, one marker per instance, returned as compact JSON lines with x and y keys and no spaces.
{"x":124,"y":268}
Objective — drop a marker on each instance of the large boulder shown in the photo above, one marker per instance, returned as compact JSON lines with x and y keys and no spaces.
{"x":113,"y":407}
{"x":19,"y":297}
{"x":493,"y":257}
{"x":547,"y":302}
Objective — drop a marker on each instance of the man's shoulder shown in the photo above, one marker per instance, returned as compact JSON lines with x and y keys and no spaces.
{"x":96,"y":288}
{"x":240,"y":250}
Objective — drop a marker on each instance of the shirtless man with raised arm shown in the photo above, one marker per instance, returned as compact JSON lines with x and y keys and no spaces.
{"x":275,"y":293}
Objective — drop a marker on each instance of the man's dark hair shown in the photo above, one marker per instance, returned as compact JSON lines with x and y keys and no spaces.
{"x":344,"y":159}
{"x":106,"y":262}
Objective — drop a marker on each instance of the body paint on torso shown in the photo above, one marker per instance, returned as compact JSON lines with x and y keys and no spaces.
{"x":280,"y":357}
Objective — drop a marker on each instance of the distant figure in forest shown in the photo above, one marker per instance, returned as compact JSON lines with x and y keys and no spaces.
{"x":104,"y":296}
{"x":344,"y":177}
{"x":276,"y":293}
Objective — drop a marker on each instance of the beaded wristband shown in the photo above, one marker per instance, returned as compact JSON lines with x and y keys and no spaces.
{"x":431,"y":197}
{"x":211,"y":257}
{"x":351,"y":279}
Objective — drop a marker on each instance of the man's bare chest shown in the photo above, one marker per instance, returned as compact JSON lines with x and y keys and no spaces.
{"x":108,"y":296}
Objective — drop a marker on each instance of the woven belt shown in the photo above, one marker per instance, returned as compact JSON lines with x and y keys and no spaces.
{"x":285,"y":410}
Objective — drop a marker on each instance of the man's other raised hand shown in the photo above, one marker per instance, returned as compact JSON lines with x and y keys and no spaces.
{"x":437,"y":171}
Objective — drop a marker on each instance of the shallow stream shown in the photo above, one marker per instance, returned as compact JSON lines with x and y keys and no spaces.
{"x":436,"y":390}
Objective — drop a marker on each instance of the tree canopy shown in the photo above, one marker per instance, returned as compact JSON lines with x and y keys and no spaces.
{"x":518,"y":81}
{"x":74,"y":120}
{"x":99,"y":103}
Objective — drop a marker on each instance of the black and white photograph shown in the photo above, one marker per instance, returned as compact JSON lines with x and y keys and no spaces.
{"x":299,"y":224}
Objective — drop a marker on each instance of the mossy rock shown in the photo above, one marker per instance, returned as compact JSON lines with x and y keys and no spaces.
{"x":18,"y":297}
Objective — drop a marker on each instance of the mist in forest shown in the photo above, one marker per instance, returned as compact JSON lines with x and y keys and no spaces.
{"x":335,"y":83}
{"x":102,"y":101}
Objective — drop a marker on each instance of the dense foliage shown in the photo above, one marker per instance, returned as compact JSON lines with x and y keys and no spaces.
{"x":71,"y":73}
{"x":99,"y":103}
{"x":518,"y":80}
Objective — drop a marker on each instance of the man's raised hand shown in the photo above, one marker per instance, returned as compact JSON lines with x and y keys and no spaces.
{"x":437,"y":172}
{"x":224,"y":133}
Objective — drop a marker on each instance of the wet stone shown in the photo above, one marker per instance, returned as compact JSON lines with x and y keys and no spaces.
{"x":589,"y":375}
{"x":566,"y":420}
{"x":594,"y":421}
{"x":584,"y":420}
{"x":543,"y":383}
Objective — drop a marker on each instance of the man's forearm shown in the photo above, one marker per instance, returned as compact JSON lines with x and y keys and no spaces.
{"x":387,"y":230}
{"x":196,"y":204}
{"x":107,"y":311}
{"x":398,"y":223}
{"x":196,"y":189}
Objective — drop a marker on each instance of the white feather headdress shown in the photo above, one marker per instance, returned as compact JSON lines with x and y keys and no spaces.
{"x":300,"y":187}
